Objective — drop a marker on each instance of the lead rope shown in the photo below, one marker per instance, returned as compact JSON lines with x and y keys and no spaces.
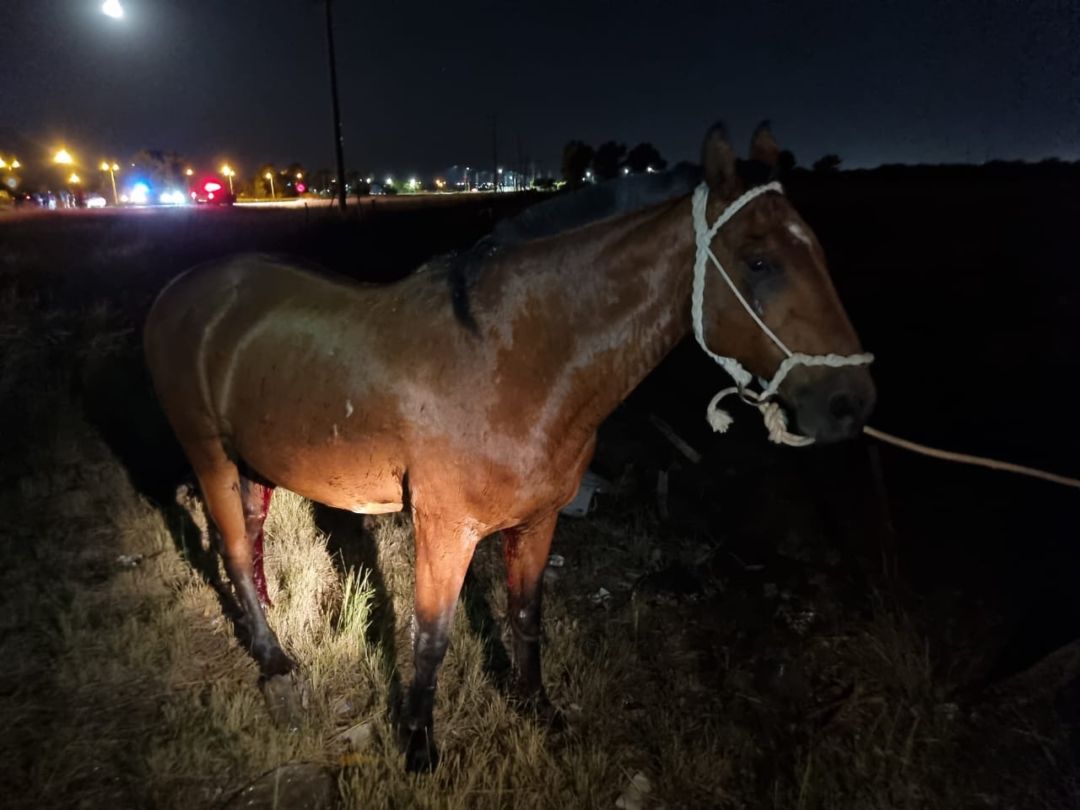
{"x":771,"y":412}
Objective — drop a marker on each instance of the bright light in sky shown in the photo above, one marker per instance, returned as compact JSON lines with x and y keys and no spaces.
{"x":112,"y":8}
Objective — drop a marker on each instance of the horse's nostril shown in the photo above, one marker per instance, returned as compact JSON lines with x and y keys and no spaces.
{"x":844,"y":405}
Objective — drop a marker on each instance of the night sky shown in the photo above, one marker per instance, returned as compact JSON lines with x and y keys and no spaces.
{"x":910,"y":81}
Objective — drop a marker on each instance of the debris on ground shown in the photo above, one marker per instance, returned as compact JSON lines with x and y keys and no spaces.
{"x":676,"y":440}
{"x":287,"y":700}
{"x":600,"y":597}
{"x":298,"y":786}
{"x":591,"y":484}
{"x":633,"y":798}
{"x":357,"y":737}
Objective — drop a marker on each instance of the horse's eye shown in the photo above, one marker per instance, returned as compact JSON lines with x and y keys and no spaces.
{"x":759,"y":265}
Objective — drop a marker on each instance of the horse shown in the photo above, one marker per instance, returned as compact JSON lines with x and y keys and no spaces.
{"x":470,"y":392}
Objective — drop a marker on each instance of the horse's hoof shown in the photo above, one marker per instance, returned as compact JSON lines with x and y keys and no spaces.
{"x":284,"y":700}
{"x":542,"y":710}
{"x":274,"y":662}
{"x":549,"y":715}
{"x":421,"y":755}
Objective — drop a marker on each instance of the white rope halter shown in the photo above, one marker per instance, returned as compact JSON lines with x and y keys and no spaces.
{"x":771,"y":412}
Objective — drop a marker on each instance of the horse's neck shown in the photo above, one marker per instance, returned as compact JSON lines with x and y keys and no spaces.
{"x":618,"y":298}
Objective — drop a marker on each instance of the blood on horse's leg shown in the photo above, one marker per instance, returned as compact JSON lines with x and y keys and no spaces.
{"x":256,"y":499}
{"x":526,"y":550}
{"x":443,"y":552}
{"x":220,"y":484}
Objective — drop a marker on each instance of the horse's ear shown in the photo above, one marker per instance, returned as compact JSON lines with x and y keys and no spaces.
{"x":718,"y":162}
{"x":763,"y":147}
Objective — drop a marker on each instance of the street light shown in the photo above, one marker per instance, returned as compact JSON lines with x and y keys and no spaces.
{"x":74,"y":179}
{"x":189,"y":172}
{"x":63,"y":157}
{"x":112,"y":169}
{"x":269,"y":176}
{"x":228,"y":172}
{"x":12,"y":164}
{"x":112,"y":8}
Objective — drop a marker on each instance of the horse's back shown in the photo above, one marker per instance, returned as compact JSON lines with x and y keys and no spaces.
{"x":200,"y":319}
{"x":259,"y":357}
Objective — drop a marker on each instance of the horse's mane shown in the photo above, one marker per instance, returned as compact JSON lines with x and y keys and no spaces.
{"x":596,"y":202}
{"x":563,"y":213}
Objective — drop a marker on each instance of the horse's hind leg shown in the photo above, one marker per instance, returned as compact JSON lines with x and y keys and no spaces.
{"x":256,"y":500}
{"x":220,"y":482}
{"x":526,"y":549}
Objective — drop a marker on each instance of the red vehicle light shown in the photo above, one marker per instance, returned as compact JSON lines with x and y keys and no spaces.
{"x":211,"y":186}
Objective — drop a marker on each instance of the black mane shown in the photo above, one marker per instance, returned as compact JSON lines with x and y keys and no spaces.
{"x":596,"y":202}
{"x":559,"y":215}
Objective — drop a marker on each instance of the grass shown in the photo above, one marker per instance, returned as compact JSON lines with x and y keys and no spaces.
{"x":125,"y":686}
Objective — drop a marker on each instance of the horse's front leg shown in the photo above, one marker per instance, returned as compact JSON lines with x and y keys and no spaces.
{"x":526,"y":549}
{"x":444,"y":549}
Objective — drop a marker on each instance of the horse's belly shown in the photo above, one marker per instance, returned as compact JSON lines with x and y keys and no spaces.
{"x":372,"y":491}
{"x":363,"y":478}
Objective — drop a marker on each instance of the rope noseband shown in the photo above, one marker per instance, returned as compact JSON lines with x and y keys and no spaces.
{"x":771,"y":413}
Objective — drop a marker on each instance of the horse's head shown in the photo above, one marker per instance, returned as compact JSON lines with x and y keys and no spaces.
{"x":776,"y":262}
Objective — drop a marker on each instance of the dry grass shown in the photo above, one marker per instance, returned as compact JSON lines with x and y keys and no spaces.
{"x":124,"y":685}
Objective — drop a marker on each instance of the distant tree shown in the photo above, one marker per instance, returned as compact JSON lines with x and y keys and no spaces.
{"x":577,"y":156}
{"x":608,"y":160}
{"x":357,"y":183}
{"x":321,"y":179}
{"x":827,"y":163}
{"x":644,"y":157}
{"x":786,"y":162}
{"x":158,"y":169}
{"x":544,"y":183}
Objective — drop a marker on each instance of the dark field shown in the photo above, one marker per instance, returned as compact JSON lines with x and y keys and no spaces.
{"x":843,"y":627}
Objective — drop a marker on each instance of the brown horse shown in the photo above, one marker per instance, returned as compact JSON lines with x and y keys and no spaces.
{"x":471,"y":391}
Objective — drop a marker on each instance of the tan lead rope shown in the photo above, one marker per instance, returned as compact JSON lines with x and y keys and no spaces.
{"x":776,"y":424}
{"x":977,"y":461}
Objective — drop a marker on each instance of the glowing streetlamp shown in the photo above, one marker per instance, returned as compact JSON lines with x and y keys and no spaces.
{"x":9,"y":164}
{"x":189,"y":172}
{"x":63,"y":158}
{"x":270,"y":176}
{"x":112,"y":169}
{"x":112,"y":8}
{"x":74,"y":179}
{"x":228,"y":172}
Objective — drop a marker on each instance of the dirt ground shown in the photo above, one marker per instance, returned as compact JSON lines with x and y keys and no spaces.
{"x":845,"y":627}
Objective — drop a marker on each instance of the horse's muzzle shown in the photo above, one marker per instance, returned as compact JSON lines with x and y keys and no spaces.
{"x":833,"y":404}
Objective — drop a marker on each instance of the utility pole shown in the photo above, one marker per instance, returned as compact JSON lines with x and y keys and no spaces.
{"x":495,"y":152}
{"x":339,"y":139}
{"x":519,"y":184}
